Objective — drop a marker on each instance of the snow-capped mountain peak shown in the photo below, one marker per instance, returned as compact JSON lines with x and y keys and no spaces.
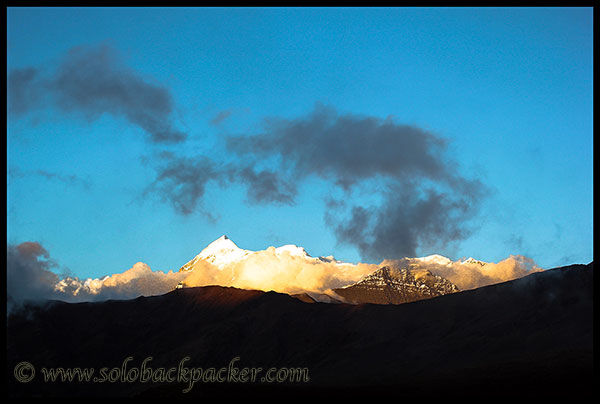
{"x":222,"y":245}
{"x":472,"y":260}
{"x":220,"y":253}
{"x":435,"y":259}
{"x":223,"y":251}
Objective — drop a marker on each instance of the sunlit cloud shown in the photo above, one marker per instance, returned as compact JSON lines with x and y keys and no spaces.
{"x":281,"y":272}
{"x":471,"y":274}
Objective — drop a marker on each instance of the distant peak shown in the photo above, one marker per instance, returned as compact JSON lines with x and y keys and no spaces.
{"x":292,"y":249}
{"x":221,"y":245}
{"x":472,"y":260}
{"x":220,"y":253}
{"x":435,"y":259}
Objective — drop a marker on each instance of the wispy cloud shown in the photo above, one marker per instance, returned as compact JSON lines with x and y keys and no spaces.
{"x":221,"y":117}
{"x":93,"y":80}
{"x":68,"y":179}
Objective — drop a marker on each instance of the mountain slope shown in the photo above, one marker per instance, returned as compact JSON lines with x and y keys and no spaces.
{"x":528,"y":338}
{"x":396,"y":286}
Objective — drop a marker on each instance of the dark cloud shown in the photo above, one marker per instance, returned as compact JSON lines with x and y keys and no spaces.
{"x":345,"y":148}
{"x":91,"y":81}
{"x":425,"y":201}
{"x":24,"y":91}
{"x":265,"y":186}
{"x":29,"y":273}
{"x":406,"y":221}
{"x":182,"y":181}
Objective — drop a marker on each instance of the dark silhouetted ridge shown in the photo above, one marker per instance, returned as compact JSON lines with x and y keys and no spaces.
{"x":527,"y":338}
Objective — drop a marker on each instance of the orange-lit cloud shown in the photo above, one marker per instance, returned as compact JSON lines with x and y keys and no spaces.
{"x":281,"y":272}
{"x":475,"y":274}
{"x":139,"y":280}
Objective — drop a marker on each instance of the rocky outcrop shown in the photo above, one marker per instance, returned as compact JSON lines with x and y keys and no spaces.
{"x":390,"y":285}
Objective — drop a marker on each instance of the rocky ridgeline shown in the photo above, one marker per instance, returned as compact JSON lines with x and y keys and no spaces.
{"x":390,"y":285}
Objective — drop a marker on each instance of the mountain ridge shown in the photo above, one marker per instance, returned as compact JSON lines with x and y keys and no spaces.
{"x":534,"y":333}
{"x":226,"y":247}
{"x":388,"y":285}
{"x":266,"y":269}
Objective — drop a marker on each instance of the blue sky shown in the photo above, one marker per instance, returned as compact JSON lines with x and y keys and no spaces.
{"x":509,"y":91}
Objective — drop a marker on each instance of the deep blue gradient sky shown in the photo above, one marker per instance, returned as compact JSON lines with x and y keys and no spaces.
{"x":510,"y":90}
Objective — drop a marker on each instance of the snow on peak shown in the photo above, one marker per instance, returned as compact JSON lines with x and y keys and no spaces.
{"x":441,"y":260}
{"x":292,"y":250}
{"x":472,"y":260}
{"x":222,"y":245}
{"x":220,"y":253}
{"x":435,"y":259}
{"x":223,"y":251}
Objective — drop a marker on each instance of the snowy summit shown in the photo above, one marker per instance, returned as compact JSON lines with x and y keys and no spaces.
{"x":223,"y":252}
{"x":220,"y":253}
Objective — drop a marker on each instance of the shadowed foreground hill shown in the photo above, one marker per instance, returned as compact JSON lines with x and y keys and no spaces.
{"x":529,"y":337}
